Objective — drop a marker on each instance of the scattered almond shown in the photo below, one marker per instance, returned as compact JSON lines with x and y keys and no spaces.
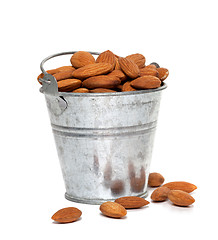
{"x":181,"y":185}
{"x":67,"y":215}
{"x":132,"y":202}
{"x":155,"y":179}
{"x":180,"y":198}
{"x":160,"y":194}
{"x":113,"y":209}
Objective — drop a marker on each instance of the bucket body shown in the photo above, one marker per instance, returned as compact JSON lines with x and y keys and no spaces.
{"x":104,"y":142}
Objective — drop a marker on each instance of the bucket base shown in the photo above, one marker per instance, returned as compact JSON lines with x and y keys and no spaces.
{"x":97,"y":201}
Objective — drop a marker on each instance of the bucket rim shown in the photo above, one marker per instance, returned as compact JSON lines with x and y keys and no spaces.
{"x":106,"y":94}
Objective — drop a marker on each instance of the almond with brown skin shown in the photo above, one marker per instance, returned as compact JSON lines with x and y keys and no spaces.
{"x":127,"y":87}
{"x":132,"y":202}
{"x":117,"y":65}
{"x":63,"y":75}
{"x":148,"y":71}
{"x":101,"y":90}
{"x":101,"y":81}
{"x":107,"y":57}
{"x":163,"y":73}
{"x":138,"y":59}
{"x":146,"y":82}
{"x":81,"y":59}
{"x":67,"y":215}
{"x":155,"y":179}
{"x":160,"y":194}
{"x":81,"y":90}
{"x":151,"y":66}
{"x":91,"y":70}
{"x":180,"y":198}
{"x":119,"y":74}
{"x":113,"y":209}
{"x":129,"y":67}
{"x":68,"y":85}
{"x":181,"y":185}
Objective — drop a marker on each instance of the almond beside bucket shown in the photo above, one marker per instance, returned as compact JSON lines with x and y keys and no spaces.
{"x":67,"y":215}
{"x":113,"y":209}
{"x":132,"y":202}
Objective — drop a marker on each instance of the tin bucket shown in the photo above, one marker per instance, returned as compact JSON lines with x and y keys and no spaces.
{"x":104,"y":140}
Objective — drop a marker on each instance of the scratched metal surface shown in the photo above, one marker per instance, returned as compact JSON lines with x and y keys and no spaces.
{"x":104,"y":142}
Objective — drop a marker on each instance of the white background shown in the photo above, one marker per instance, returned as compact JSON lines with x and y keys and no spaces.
{"x":179,"y":35}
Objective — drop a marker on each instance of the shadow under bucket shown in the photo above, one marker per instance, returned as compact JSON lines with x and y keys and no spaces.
{"x":104,"y":140}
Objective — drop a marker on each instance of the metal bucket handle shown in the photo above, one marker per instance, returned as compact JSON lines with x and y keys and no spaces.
{"x":49,"y":82}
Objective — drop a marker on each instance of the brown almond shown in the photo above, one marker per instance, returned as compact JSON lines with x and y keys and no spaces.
{"x":119,"y":74}
{"x":63,"y":75}
{"x":117,"y":65}
{"x":148,"y":71}
{"x":101,"y":81}
{"x":81,"y":90}
{"x":107,"y":57}
{"x":180,"y":185}
{"x":68,"y":85}
{"x":151,"y":66}
{"x":146,"y":82}
{"x":138,"y":59}
{"x":91,"y":70}
{"x":155,"y":179}
{"x":180,"y":198}
{"x":129,"y":67}
{"x":132,"y":202}
{"x":101,"y":90}
{"x":127,"y":87}
{"x":160,"y":194}
{"x":67,"y":215}
{"x":163,"y":73}
{"x":81,"y":59}
{"x":113,"y":209}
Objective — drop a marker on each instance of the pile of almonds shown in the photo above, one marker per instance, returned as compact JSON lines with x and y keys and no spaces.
{"x":176,"y":192}
{"x":107,"y":73}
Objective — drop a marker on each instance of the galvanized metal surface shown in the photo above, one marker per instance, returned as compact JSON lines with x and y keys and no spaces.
{"x":104,"y":142}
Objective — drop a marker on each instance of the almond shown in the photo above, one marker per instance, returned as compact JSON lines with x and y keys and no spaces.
{"x":67,"y":215}
{"x":101,"y":90}
{"x":119,"y":74}
{"x":107,"y":57}
{"x":151,"y":66}
{"x":146,"y":82}
{"x":138,"y":59}
{"x":155,"y":179}
{"x":163,"y":73}
{"x":148,"y":71}
{"x":117,"y":65}
{"x":101,"y":81}
{"x":113,"y":209}
{"x":181,"y":185}
{"x":65,"y":68}
{"x":81,"y":90}
{"x":132,"y":202}
{"x":160,"y":194}
{"x":129,"y":67}
{"x":92,"y":70}
{"x":63,"y":75}
{"x":68,"y":85}
{"x":180,"y":198}
{"x":81,"y":59}
{"x":127,"y":87}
